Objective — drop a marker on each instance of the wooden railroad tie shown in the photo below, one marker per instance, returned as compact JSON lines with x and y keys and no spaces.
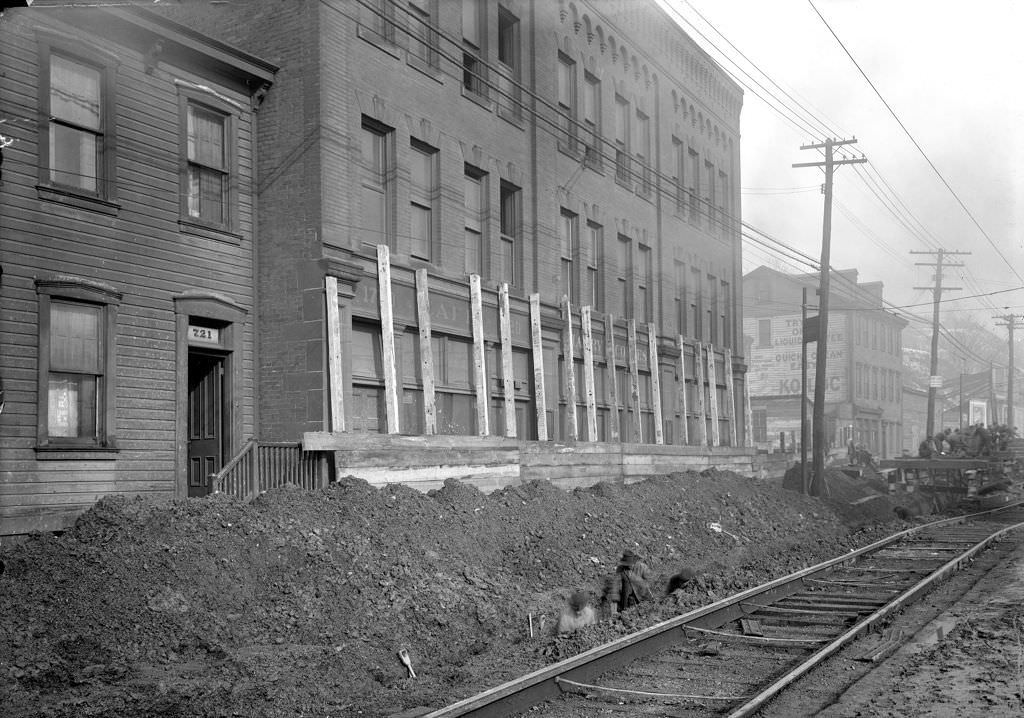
{"x":751,"y":627}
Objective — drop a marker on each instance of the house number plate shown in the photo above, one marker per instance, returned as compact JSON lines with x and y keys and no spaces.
{"x":203,"y":335}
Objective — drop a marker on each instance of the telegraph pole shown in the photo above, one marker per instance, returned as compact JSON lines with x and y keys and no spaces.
{"x":818,"y":439}
{"x":803,"y":394}
{"x":1011,"y":324}
{"x":934,"y":379}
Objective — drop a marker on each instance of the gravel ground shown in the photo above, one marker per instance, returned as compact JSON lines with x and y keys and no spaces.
{"x":298,"y":603}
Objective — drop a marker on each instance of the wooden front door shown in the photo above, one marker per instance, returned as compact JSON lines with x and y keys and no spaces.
{"x":205,"y":420}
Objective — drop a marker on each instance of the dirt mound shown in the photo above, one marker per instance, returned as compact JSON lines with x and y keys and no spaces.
{"x":298,"y":602}
{"x":861,"y":500}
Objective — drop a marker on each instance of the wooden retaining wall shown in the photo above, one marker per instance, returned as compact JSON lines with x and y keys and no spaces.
{"x":491,"y":463}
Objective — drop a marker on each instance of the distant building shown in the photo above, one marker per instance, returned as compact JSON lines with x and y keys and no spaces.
{"x":865,"y":377}
{"x":128,"y":333}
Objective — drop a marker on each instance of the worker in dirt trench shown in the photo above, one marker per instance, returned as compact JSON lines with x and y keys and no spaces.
{"x":630,"y":585}
{"x":577,"y":614}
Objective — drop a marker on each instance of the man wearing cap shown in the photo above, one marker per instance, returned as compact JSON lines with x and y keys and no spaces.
{"x":630,"y":585}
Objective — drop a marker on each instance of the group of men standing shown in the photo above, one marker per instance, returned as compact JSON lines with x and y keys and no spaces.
{"x":972,"y":442}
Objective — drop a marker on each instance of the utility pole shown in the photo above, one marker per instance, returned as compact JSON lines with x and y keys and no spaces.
{"x":818,"y":439}
{"x":1011,"y":324}
{"x":934,"y":379}
{"x":803,"y":394}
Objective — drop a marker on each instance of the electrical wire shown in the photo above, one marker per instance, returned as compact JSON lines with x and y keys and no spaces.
{"x":919,"y":148}
{"x":829,"y":129}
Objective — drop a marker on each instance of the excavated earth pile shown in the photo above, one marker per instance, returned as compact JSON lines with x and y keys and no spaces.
{"x":298,"y":603}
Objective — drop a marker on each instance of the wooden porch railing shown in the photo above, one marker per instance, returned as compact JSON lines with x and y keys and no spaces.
{"x":263,"y":465}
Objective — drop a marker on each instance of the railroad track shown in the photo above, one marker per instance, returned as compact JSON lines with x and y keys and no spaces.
{"x":733,"y":656}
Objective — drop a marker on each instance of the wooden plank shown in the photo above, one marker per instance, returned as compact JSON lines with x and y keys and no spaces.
{"x":426,"y":351}
{"x":634,"y":381}
{"x":413,"y":476}
{"x":748,"y":415}
{"x":751,"y":627}
{"x":417,"y":459}
{"x":387,"y":332}
{"x":652,"y":350}
{"x":479,"y":357}
{"x":730,"y":396}
{"x":569,"y":370}
{"x":716,"y":438}
{"x":612,"y":380}
{"x":537,"y":349}
{"x":702,"y":411}
{"x":326,"y":441}
{"x":681,"y":389}
{"x":507,"y":369}
{"x":335,"y":379}
{"x":588,"y":373}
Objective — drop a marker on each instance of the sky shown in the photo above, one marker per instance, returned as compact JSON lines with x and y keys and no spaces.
{"x":950,"y":71}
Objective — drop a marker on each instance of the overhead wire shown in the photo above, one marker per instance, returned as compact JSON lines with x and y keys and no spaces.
{"x":880,"y":188}
{"x":829,"y":130}
{"x":788,"y":255}
{"x":706,"y":209}
{"x":813,"y":126}
{"x":931,"y":164}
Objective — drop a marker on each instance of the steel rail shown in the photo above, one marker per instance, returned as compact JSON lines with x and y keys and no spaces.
{"x":863,"y":626}
{"x":543,"y":684}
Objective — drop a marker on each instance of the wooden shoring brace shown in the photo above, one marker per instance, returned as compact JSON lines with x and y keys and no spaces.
{"x":387,"y":333}
{"x":748,"y":416}
{"x":537,"y":350}
{"x":507,"y":368}
{"x":569,"y":370}
{"x":588,"y":373}
{"x":612,"y":379}
{"x":335,"y":378}
{"x":634,"y":382}
{"x":716,"y":439}
{"x":652,"y":348}
{"x":681,"y":389}
{"x":702,"y":411}
{"x":730,"y":397}
{"x":426,"y":352}
{"x":479,"y":357}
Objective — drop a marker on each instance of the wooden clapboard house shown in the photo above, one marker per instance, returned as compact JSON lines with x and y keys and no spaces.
{"x":460,"y":200}
{"x":127,"y":229}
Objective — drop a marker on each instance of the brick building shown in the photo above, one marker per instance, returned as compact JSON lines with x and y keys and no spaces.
{"x":864,"y":387}
{"x":127,"y":338}
{"x":550,"y":149}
